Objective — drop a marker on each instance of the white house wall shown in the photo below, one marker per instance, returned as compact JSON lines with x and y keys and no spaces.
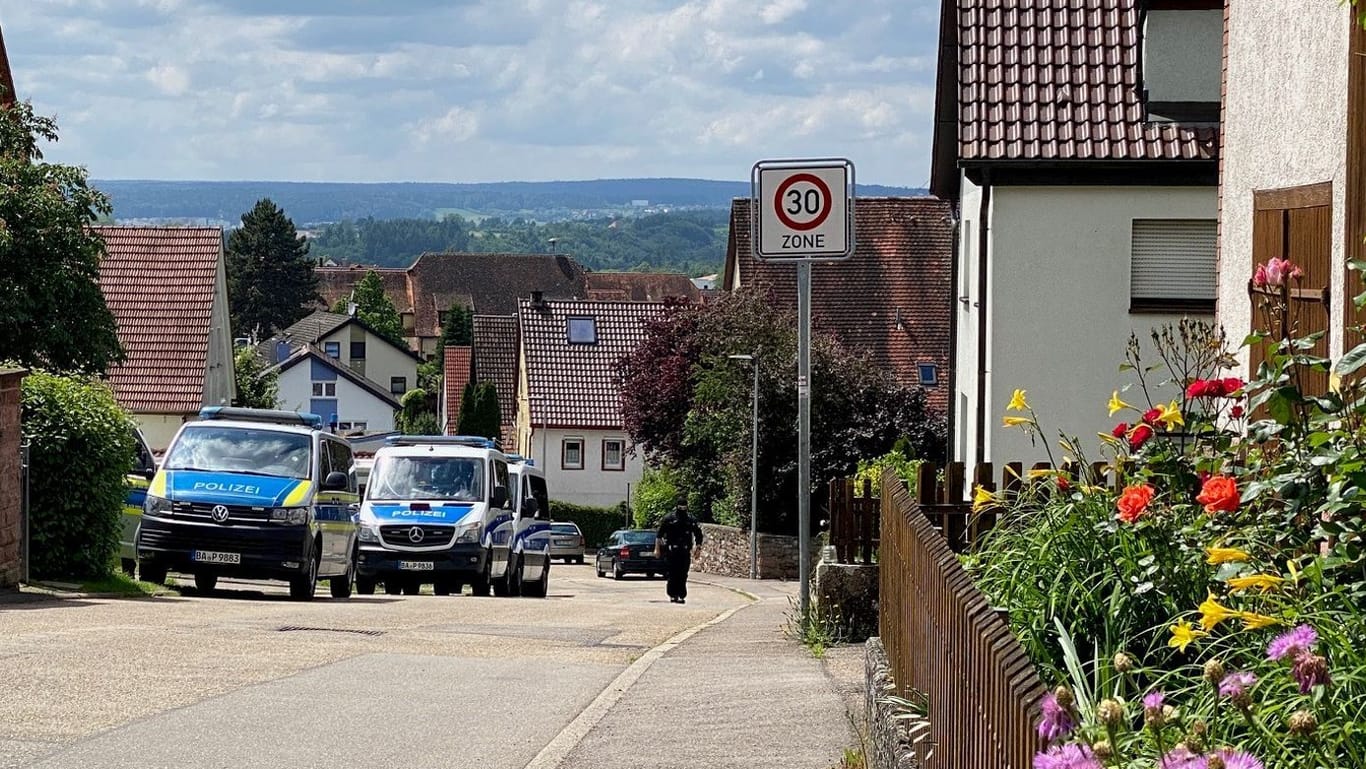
{"x":354,"y":403}
{"x":382,"y":360}
{"x":1285,"y":125}
{"x":965,"y":307}
{"x":159,"y":429}
{"x":1059,"y":302}
{"x":592,"y":485}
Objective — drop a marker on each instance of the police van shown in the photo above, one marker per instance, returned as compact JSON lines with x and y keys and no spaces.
{"x":521,"y":546}
{"x":444,"y":511}
{"x":253,"y":494}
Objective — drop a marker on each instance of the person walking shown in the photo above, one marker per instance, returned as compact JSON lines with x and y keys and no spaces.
{"x":678,"y":532}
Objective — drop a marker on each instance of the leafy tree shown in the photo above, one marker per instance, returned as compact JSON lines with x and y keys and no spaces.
{"x":458,"y":328}
{"x":271,"y":283}
{"x":255,"y":388}
{"x":479,"y":414}
{"x":415,"y":416}
{"x":374,"y":308}
{"x":52,"y":312}
{"x":656,"y":382}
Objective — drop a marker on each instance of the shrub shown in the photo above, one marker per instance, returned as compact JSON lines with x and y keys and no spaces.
{"x":81,"y":449}
{"x":656,"y":495}
{"x":596,"y":523}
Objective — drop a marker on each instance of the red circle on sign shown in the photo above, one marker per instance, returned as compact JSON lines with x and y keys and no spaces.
{"x":782,"y":190}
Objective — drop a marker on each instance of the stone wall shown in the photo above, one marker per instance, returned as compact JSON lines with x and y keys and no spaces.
{"x":845,"y":594}
{"x":10,"y":492}
{"x":725,"y":550}
{"x":889,"y":747}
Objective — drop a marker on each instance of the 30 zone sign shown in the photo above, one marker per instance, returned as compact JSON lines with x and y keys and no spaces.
{"x":802,"y":209}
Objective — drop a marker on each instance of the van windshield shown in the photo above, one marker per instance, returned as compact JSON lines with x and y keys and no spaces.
{"x":221,"y":449}
{"x":458,"y":478}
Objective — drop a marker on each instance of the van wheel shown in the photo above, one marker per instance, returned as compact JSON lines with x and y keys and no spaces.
{"x":540,"y":587}
{"x":365,"y":586}
{"x":152,"y":572}
{"x":514,"y":578}
{"x":301,"y":586}
{"x":129,"y":566}
{"x":480,"y":585}
{"x":392,"y":587}
{"x":205,"y":583}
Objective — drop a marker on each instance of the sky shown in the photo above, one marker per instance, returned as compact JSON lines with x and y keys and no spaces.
{"x":477,"y":90}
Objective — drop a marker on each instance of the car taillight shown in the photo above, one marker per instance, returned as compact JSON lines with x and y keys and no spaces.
{"x":580,"y":541}
{"x":625,"y":552}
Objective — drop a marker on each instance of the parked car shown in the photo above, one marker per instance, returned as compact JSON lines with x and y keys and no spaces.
{"x":566,"y":541}
{"x":630,"y":551}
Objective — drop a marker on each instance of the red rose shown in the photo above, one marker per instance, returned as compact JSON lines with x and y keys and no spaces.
{"x":1063,"y":485}
{"x":1120,"y":429}
{"x":1236,"y":412}
{"x":1231,"y":385}
{"x":1219,"y":495}
{"x":1151,"y":416}
{"x":1198,"y":389}
{"x":1139,"y":436}
{"x":1133,"y":503}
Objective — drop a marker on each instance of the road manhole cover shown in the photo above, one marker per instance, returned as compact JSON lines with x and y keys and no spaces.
{"x":353,"y":631}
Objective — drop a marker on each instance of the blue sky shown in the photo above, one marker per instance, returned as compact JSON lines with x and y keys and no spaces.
{"x":477,"y":90}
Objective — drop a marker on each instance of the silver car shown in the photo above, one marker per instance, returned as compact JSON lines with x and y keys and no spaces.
{"x":566,"y":541}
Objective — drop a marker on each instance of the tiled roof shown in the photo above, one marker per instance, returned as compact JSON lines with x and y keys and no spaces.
{"x":1052,"y":80}
{"x":457,"y":375}
{"x":336,"y":282}
{"x":311,"y":352}
{"x":640,"y":286}
{"x":495,"y":360}
{"x":6,"y":77}
{"x":891,"y":301}
{"x":315,"y":326}
{"x":159,"y":284}
{"x":575,"y":385}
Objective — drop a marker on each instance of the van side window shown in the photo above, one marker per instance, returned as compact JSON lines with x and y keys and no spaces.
{"x":500,"y":478}
{"x":324,"y":459}
{"x":343,"y":461}
{"x":538,"y":490}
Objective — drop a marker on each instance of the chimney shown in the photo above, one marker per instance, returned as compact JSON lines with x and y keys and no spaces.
{"x":538,"y":300}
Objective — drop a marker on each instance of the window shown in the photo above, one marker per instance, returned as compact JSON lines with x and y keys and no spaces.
{"x":1182,"y":60}
{"x":500,"y":478}
{"x":1172,"y":265}
{"x":333,"y":349}
{"x":398,"y":385}
{"x":613,"y":455}
{"x":324,"y":389}
{"x":571,"y":454}
{"x":352,"y":427}
{"x":929,"y":374}
{"x":582,"y":331}
{"x":358,"y":351}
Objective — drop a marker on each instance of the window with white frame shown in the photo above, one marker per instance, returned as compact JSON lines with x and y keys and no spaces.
{"x":333,"y":349}
{"x":1172,"y":265}
{"x":582,"y":331}
{"x":571,"y":454}
{"x":324,"y":389}
{"x":613,"y":454}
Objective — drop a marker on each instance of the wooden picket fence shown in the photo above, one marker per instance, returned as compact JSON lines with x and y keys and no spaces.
{"x":854,"y":521}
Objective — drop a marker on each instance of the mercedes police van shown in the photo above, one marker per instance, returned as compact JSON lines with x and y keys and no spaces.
{"x":521,"y":546}
{"x":445,"y":511}
{"x":253,"y":494}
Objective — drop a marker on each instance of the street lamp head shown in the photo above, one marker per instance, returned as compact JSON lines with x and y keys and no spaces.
{"x":740,"y":357}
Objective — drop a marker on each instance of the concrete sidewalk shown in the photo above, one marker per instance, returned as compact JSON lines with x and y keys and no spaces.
{"x":738,"y":693}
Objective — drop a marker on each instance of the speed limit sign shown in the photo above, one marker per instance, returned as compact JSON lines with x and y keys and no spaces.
{"x":803,"y":209}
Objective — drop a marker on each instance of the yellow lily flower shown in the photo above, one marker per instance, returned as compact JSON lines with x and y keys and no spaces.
{"x":1294,"y":571}
{"x":1218,"y":555}
{"x":1017,"y":402}
{"x":1170,"y":416}
{"x":1016,"y":421}
{"x":1211,"y":613}
{"x":982,"y":498}
{"x":1116,"y":404}
{"x":1183,"y":635}
{"x":1260,"y":581}
{"x":1254,"y":621}
{"x":1335,"y":382}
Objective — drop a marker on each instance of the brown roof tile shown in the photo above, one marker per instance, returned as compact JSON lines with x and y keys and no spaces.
{"x":640,"y":287}
{"x":891,"y":301}
{"x":457,"y":375}
{"x":495,"y":360}
{"x":159,"y":284}
{"x":1056,"y":80}
{"x":575,"y":385}
{"x":336,"y":282}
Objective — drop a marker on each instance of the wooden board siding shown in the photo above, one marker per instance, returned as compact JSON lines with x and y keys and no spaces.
{"x":1355,"y":220}
{"x":1295,"y":223}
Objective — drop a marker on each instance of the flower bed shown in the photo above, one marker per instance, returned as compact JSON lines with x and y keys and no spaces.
{"x":1211,"y":612}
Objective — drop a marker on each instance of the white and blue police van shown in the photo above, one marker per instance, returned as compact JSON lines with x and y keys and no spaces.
{"x":448,"y":511}
{"x":521,"y":546}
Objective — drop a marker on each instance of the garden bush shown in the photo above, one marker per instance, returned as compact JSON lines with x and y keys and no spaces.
{"x":1212,"y":611}
{"x":81,"y":450}
{"x":596,"y":523}
{"x":656,"y":495}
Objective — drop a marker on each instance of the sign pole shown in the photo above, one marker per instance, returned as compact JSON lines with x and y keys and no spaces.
{"x":804,"y":436}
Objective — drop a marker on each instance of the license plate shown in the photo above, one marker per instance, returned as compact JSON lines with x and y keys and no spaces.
{"x":646,"y":554}
{"x":416,"y":565}
{"x":566,"y":542}
{"x":209,"y":556}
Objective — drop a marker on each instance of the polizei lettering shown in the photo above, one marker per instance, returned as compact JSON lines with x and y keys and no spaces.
{"x":231,"y":488}
{"x":804,"y":241}
{"x":418,"y":514}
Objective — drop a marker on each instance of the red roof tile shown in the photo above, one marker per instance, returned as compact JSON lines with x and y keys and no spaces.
{"x":640,"y":287}
{"x":891,"y":301}
{"x":495,"y":360}
{"x":159,"y":282}
{"x":1055,"y":80}
{"x":575,"y":385}
{"x":457,"y":371}
{"x":336,"y":282}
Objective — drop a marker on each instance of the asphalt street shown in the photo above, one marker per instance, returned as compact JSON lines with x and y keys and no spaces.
{"x":246,"y":678}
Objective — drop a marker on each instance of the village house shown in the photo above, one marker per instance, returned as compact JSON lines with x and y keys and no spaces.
{"x":1078,"y":140}
{"x":167,"y":289}
{"x":315,"y":381}
{"x":351,"y":342}
{"x":494,"y":360}
{"x":1293,"y":180}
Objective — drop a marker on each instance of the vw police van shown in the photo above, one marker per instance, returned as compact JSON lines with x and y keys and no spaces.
{"x":441,"y":510}
{"x":254,"y":494}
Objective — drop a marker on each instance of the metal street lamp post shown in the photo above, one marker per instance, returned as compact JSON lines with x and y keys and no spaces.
{"x":753,"y":469}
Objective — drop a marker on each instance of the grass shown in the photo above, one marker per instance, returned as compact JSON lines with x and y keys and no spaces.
{"x":122,"y":585}
{"x":815,"y":631}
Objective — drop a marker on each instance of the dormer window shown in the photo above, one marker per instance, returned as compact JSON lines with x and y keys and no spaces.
{"x":582,"y":331}
{"x":1182,"y":60}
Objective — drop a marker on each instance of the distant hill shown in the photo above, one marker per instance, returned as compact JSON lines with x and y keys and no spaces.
{"x":317,"y":202}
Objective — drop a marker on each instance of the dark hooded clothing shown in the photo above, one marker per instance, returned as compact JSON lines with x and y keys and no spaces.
{"x":678,"y":534}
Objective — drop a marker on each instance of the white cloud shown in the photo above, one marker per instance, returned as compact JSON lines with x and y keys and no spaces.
{"x":781,"y":10}
{"x":169,"y":79}
{"x":456,"y":125}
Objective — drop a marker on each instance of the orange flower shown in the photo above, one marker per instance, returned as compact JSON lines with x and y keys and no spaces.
{"x":1133,"y":503}
{"x":1219,"y":494}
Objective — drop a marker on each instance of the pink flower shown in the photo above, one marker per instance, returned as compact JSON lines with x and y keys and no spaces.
{"x":1259,"y":277}
{"x":1057,"y":721}
{"x":1292,"y":643}
{"x":1237,"y":759}
{"x":1276,"y":270}
{"x":1067,"y":757}
{"x":1236,"y":684}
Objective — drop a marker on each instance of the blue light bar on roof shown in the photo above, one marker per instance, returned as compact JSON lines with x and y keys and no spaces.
{"x":262,"y":415}
{"x":473,"y":441}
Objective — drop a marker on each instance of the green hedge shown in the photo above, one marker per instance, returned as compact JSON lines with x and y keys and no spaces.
{"x":81,"y":449}
{"x":597,"y":523}
{"x":655,"y":496}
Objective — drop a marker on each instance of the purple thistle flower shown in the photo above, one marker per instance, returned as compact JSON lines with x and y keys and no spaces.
{"x":1236,"y":684}
{"x":1292,"y":642}
{"x":1068,"y":757}
{"x":1056,"y":721}
{"x":1154,"y":700}
{"x":1237,"y":759}
{"x":1310,"y":670}
{"x":1180,"y":757}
